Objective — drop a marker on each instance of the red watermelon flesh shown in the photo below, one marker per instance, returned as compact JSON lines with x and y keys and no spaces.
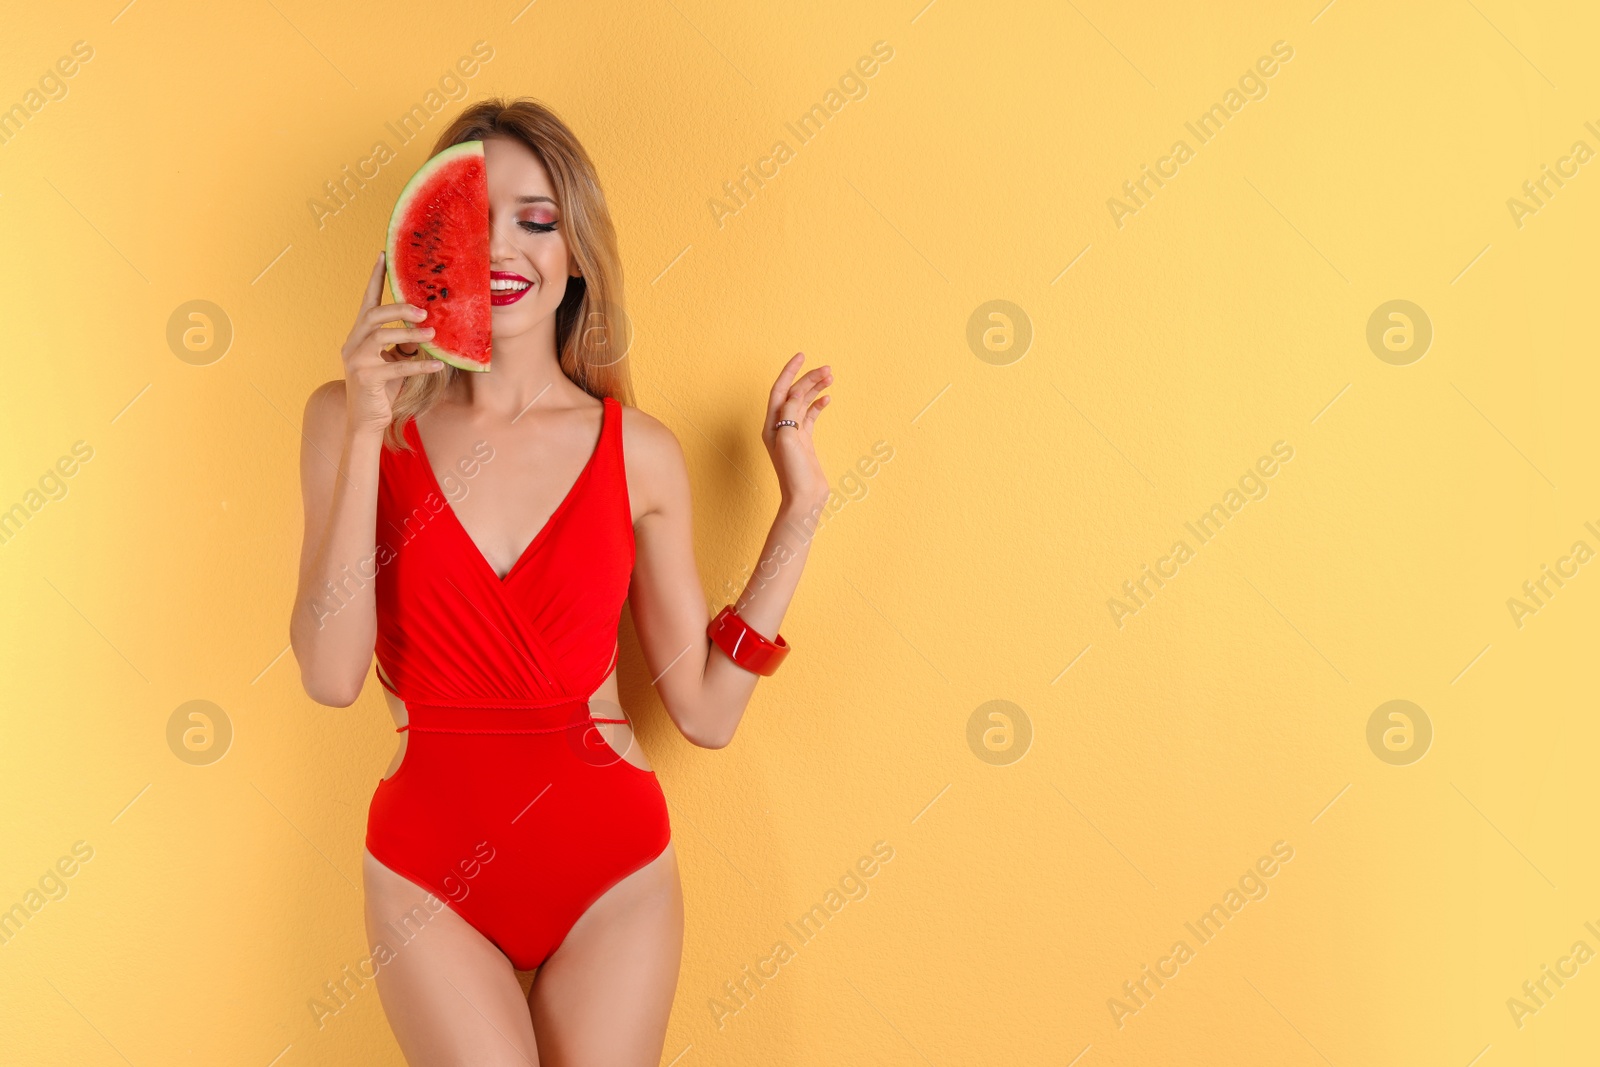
{"x":438,"y":253}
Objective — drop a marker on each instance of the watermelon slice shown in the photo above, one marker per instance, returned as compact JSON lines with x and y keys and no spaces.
{"x":438,"y":253}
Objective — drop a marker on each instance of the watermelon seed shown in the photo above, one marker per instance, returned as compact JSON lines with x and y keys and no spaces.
{"x":433,"y":296}
{"x":444,"y":292}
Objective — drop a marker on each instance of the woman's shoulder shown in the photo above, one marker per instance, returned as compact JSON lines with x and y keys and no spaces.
{"x":647,"y":437}
{"x":653,"y":457}
{"x":325,"y":411}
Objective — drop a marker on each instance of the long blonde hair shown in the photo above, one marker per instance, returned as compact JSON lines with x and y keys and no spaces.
{"x":592,"y":329}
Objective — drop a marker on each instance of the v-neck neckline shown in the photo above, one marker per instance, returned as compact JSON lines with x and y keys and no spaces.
{"x":549,"y":524}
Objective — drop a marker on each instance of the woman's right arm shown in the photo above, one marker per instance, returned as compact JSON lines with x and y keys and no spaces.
{"x":333,"y":628}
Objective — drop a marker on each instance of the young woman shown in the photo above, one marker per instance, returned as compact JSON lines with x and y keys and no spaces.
{"x":480,"y":532}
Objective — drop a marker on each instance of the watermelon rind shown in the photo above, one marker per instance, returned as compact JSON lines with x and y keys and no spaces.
{"x":402,"y":203}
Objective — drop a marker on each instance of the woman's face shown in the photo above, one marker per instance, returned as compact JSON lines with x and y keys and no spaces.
{"x":529,"y":261}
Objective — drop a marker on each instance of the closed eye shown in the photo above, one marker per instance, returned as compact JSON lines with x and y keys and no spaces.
{"x":537,"y":227}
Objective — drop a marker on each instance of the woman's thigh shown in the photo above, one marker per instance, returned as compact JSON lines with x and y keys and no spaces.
{"x":450,"y":995}
{"x":605,"y":994}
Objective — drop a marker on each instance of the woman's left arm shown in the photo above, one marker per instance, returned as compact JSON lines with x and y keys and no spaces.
{"x":703,"y":690}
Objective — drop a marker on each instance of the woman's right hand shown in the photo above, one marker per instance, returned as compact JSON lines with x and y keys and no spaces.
{"x":374,"y":368}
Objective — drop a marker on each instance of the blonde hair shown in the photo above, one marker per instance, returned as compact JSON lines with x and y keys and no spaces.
{"x":591,"y":323}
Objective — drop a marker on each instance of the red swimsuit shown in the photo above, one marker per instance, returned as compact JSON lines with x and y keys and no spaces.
{"x":508,"y":805}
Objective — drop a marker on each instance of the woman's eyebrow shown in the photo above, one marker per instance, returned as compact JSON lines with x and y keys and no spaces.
{"x":534,"y":199}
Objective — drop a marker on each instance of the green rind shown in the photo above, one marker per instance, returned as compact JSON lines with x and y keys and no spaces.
{"x":460,"y":362}
{"x":454,"y":152}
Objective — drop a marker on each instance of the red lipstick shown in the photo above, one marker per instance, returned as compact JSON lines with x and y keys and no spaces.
{"x":501,"y":296}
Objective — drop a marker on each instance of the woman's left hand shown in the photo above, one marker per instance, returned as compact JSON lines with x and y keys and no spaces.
{"x":800,"y":476}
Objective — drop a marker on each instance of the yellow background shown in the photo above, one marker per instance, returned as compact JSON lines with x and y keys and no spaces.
{"x":1230,"y":713}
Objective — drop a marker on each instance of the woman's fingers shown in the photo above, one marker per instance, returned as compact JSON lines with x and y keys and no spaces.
{"x":379,"y":314}
{"x":400,"y":351}
{"x":813,"y":411}
{"x":797,"y":399}
{"x":405,"y":368}
{"x":808,"y":386}
{"x":808,"y":379}
{"x":369,"y":299}
{"x":792,"y":397}
{"x":780,"y":388}
{"x":802,"y":393}
{"x":389,"y":336}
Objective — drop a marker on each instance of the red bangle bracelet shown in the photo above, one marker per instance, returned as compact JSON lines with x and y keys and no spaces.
{"x":744,"y":645}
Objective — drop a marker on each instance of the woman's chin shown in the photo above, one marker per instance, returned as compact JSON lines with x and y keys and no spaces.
{"x":513,"y":321}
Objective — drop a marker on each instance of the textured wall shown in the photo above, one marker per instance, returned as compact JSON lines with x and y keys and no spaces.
{"x":1194,"y":712}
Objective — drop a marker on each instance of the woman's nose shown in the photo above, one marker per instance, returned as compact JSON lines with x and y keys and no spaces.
{"x":500,"y":246}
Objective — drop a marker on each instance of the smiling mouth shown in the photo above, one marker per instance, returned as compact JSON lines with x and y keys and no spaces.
{"x":506,"y":288}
